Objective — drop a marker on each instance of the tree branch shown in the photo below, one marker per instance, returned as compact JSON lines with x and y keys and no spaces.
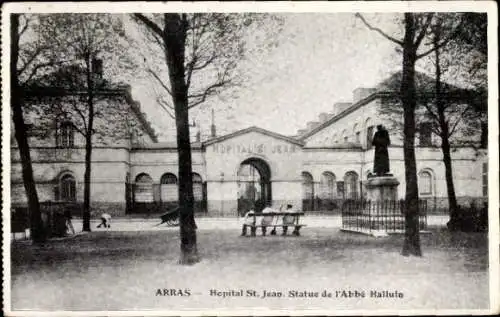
{"x":369,"y":26}
{"x":460,"y":116}
{"x":423,"y":30}
{"x":165,"y":107}
{"x":150,"y":24}
{"x":208,"y":92}
{"x":163,"y":85}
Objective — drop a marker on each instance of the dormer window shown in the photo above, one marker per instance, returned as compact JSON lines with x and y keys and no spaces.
{"x":65,"y":135}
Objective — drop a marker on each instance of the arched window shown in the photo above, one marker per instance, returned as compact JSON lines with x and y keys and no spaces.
{"x":67,"y":188}
{"x":327,"y":186}
{"x":143,"y":188}
{"x":351,"y":185}
{"x":65,"y":136}
{"x":425,"y":134}
{"x":168,"y":188}
{"x":345,"y":138}
{"x":369,"y":133}
{"x":197,"y":187}
{"x":307,"y":191}
{"x":425,"y":183}
{"x":356,"y":133}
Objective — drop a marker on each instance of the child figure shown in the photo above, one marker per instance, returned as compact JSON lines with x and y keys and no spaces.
{"x":105,"y":220}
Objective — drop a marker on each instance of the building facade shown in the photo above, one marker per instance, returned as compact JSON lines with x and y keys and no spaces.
{"x":316,"y":170}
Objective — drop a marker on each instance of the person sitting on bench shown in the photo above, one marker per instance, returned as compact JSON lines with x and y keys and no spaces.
{"x":267,"y":220}
{"x":289,"y":220}
{"x":247,"y":221}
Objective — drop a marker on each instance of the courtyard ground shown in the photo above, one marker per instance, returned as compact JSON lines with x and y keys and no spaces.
{"x":116,"y":270}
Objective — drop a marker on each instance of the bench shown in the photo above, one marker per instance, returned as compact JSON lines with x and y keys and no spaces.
{"x":269,"y":219}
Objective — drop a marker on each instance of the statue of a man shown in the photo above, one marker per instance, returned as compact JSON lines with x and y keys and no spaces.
{"x":381,"y":161}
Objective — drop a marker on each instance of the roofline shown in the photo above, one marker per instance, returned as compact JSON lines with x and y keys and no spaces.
{"x":122,"y":90}
{"x":253,"y":129}
{"x":344,"y":113}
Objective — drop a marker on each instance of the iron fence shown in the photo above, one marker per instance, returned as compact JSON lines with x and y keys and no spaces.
{"x":388,"y":216}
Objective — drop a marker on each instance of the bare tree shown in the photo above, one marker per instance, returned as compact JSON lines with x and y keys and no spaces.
{"x":416,"y":28}
{"x":84,"y":40}
{"x":446,"y":110}
{"x":201,"y":52}
{"x":29,"y":56}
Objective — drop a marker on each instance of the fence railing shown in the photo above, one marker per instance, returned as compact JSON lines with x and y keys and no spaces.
{"x":388,"y":216}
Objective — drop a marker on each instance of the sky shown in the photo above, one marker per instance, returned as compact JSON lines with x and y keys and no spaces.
{"x":319,"y":59}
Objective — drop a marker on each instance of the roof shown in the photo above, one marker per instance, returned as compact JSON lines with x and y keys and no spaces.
{"x":60,"y":83}
{"x":342,"y":114}
{"x":388,"y":88}
{"x":164,"y":146}
{"x":254,"y":129}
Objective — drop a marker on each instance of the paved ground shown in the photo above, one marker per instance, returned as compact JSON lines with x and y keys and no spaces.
{"x":114,"y":270}
{"x":150,"y":224}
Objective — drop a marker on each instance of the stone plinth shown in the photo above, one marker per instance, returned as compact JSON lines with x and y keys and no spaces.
{"x":381,"y":188}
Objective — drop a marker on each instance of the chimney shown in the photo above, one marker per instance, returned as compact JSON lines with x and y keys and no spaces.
{"x":361,"y":93}
{"x":97,"y":67}
{"x":312,"y":124}
{"x":338,"y":107}
{"x":301,"y":131}
{"x":212,"y":126}
{"x":323,"y":116}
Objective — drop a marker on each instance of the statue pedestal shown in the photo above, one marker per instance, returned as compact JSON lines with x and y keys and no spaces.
{"x":382,"y":188}
{"x":380,"y":214}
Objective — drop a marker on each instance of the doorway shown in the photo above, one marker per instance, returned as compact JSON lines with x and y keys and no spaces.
{"x":254,"y":185}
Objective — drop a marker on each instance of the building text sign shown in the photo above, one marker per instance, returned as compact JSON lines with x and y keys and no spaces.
{"x":257,"y":148}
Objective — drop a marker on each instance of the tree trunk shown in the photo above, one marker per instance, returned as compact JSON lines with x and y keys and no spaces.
{"x":452,"y":198}
{"x":38,"y":234}
{"x":408,"y":97}
{"x":88,"y":147}
{"x":175,"y":36}
{"x":445,"y":136}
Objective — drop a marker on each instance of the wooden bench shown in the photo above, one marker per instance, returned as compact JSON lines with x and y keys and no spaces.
{"x":292,"y":220}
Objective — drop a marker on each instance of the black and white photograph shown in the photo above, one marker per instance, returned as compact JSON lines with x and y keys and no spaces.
{"x":276,"y":158}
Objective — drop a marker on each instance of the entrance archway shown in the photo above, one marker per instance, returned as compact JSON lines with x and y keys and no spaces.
{"x":254,"y":185}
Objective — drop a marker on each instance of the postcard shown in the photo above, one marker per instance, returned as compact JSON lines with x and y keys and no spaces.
{"x":276,"y":158}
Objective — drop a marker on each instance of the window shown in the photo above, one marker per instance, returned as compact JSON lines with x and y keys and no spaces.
{"x":351,"y":185}
{"x":369,"y":137}
{"x":307,"y":191}
{"x":65,"y":136}
{"x":344,"y":136}
{"x":307,"y":185}
{"x":168,"y":188}
{"x":425,"y":134}
{"x":327,"y":186}
{"x":485,"y":179}
{"x":358,"y":137}
{"x":67,"y":188}
{"x":425,"y":183}
{"x":143,"y":191}
{"x":197,"y":187}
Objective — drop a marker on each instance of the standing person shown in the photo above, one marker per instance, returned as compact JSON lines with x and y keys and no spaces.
{"x":381,"y":160}
{"x":105,"y":221}
{"x":69,"y":224}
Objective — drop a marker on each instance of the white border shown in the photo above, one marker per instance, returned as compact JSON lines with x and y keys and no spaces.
{"x":376,"y":6}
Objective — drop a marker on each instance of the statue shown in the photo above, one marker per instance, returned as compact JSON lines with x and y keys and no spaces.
{"x":381,"y":161}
